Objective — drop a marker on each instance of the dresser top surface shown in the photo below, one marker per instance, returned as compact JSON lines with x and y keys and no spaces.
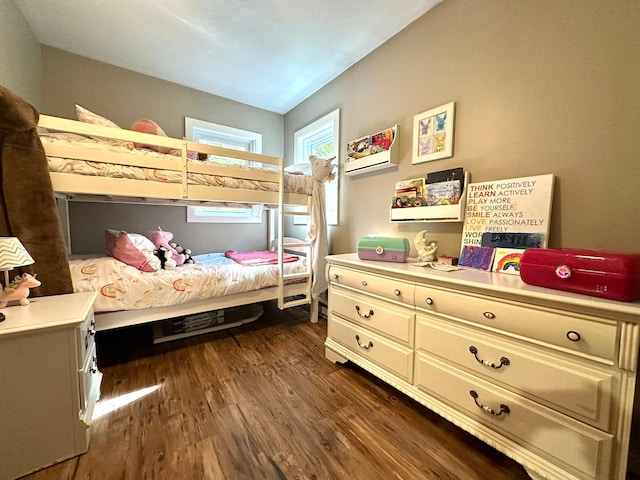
{"x":491,"y":283}
{"x":47,"y":312}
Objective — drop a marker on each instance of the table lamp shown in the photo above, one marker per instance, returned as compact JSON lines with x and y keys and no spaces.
{"x":12,"y":255}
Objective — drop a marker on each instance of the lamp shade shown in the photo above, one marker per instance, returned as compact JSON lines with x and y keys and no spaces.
{"x":13,"y":254}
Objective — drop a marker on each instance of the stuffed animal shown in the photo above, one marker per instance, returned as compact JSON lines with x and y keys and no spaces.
{"x":18,"y":289}
{"x":165,"y":256}
{"x":322,"y":168}
{"x":185,"y":251}
{"x":160,"y":238}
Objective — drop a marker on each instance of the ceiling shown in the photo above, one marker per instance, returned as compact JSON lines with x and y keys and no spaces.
{"x":271,"y":54}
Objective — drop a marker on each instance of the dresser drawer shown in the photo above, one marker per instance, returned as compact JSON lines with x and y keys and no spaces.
{"x":563,"y":441}
{"x":86,"y":336}
{"x":558,"y":381}
{"x":89,"y":381}
{"x":389,"y":319}
{"x":572,"y":333}
{"x":394,"y":357}
{"x":388,"y":288}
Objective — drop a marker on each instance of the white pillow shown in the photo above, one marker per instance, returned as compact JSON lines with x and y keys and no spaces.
{"x":141,"y":242}
{"x":305,"y":168}
{"x":88,"y":116}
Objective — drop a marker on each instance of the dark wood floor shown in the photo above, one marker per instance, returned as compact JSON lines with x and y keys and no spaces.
{"x":261,"y":402}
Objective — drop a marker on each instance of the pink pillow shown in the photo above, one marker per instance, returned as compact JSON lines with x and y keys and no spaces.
{"x":119,"y":245}
{"x":151,"y":127}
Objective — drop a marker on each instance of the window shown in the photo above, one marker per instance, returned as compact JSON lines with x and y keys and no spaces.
{"x":251,"y":214}
{"x":227,"y":137}
{"x":321,"y":138}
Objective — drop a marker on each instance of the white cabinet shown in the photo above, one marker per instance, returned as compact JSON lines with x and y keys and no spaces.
{"x":49,"y":382}
{"x":546,"y":377}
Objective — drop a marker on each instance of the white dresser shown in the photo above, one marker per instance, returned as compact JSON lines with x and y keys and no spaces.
{"x":546,"y":377}
{"x":49,"y":382}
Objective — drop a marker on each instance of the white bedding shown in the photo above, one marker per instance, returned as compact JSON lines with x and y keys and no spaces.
{"x":122,"y":287}
{"x":293,"y":183}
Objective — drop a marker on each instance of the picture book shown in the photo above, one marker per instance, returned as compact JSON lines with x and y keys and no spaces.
{"x":410,"y":188}
{"x":447,"y":176}
{"x":477,"y":257}
{"x":409,"y":193}
{"x":507,"y":260}
{"x":443,"y":193}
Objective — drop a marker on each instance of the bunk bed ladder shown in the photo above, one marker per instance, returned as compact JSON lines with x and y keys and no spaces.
{"x":307,"y":276}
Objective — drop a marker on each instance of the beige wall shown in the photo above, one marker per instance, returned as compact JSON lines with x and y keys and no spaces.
{"x":540,"y":87}
{"x":20,"y":62}
{"x":125,"y":96}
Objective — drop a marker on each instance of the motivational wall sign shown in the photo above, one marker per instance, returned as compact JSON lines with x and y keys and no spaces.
{"x":515,"y":205}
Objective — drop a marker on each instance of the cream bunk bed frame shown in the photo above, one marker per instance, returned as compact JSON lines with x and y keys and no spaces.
{"x":73,"y":187}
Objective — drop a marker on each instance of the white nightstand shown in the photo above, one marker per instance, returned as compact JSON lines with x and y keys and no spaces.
{"x":49,"y":381}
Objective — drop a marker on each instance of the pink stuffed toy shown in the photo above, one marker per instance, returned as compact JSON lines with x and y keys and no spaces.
{"x":149,"y":126}
{"x":161,"y":238}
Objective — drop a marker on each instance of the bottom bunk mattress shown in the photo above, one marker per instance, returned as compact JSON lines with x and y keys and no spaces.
{"x":122,"y":287}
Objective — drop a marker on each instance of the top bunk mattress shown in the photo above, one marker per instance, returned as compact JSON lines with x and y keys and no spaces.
{"x":127,"y":169}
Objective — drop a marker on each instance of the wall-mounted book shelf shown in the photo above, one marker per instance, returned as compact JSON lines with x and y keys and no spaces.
{"x":359,"y":159}
{"x":438,"y":213}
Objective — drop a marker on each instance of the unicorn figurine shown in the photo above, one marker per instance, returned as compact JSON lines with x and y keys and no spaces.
{"x":18,"y":289}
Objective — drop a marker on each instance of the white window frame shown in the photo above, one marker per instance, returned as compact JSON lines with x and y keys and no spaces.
{"x":245,"y":139}
{"x":301,"y":155}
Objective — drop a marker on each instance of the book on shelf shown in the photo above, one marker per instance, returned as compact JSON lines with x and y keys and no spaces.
{"x":443,"y":193}
{"x":370,"y":144}
{"x":409,"y":193}
{"x":447,"y":176}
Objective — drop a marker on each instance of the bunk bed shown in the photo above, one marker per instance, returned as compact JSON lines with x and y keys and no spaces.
{"x":89,"y":162}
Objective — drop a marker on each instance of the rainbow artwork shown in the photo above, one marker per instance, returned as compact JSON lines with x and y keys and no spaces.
{"x":507,"y":260}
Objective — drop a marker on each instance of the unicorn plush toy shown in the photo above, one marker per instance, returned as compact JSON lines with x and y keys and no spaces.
{"x":19,"y":289}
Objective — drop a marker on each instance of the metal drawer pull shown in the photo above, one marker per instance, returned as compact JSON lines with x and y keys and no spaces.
{"x":363,"y":283}
{"x":364,"y":315}
{"x":503,"y":407}
{"x":573,"y":336}
{"x":336,"y":276}
{"x":396,"y":292}
{"x":429,"y":301}
{"x":489,"y":315}
{"x":503,"y":360}
{"x":367,"y":346}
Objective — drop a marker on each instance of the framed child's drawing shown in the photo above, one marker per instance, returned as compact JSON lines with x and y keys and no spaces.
{"x":433,"y":134}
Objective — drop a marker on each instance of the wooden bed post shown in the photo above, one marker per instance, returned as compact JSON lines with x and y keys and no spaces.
{"x":271,"y":228}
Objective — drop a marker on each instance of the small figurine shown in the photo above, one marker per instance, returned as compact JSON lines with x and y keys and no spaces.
{"x":18,"y":289}
{"x":426,"y":251}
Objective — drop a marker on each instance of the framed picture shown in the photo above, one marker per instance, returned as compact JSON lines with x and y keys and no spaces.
{"x":433,"y":134}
